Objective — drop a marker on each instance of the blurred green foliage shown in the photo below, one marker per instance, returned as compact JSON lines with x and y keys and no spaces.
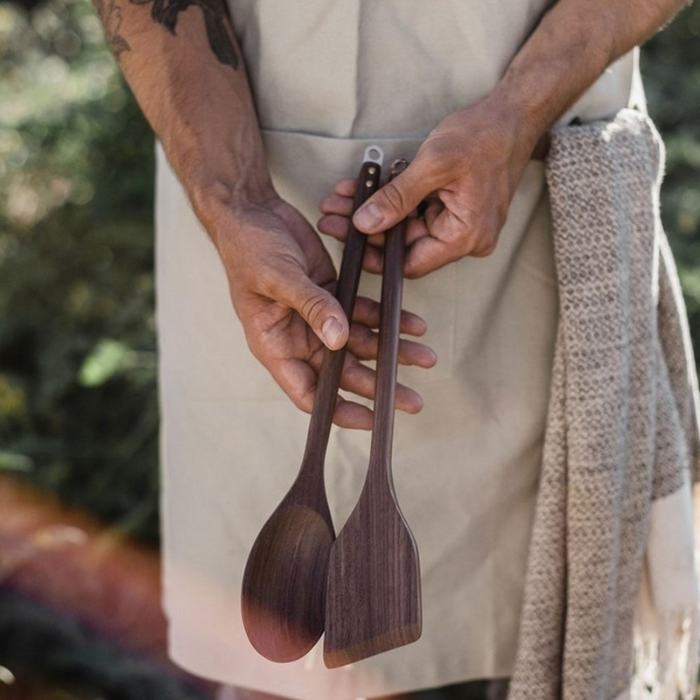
{"x":78,"y":407}
{"x":671,"y":68}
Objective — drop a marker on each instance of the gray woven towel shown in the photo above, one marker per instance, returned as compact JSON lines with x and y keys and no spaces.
{"x":622,"y":435}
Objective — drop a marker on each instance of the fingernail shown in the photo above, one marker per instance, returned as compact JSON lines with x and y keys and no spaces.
{"x":370,"y":216}
{"x":331,"y":330}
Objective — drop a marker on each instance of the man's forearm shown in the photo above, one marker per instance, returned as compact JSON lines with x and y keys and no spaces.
{"x":572,"y":46}
{"x":182,"y":61}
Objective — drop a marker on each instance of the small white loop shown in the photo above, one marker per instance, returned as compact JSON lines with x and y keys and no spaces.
{"x":374,"y":154}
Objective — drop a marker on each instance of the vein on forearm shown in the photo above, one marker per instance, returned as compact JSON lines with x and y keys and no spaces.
{"x":573,"y":44}
{"x":166,"y":13}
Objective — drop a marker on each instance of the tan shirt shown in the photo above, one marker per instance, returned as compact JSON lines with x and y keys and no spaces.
{"x":329,"y":79}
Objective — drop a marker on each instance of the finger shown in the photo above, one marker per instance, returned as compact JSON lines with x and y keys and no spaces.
{"x":317,"y":306}
{"x":450,"y":239}
{"x":298,"y":380}
{"x":426,"y":255}
{"x":338,"y":227}
{"x":374,"y":260}
{"x":364,"y":344}
{"x":346,"y":188}
{"x":335,"y":204}
{"x":335,"y":226}
{"x":361,"y":380}
{"x":367,"y":312}
{"x":396,"y":199}
{"x":377,"y":240}
{"x":349,"y":414}
{"x":414,"y":354}
{"x":434,"y":207}
{"x":415,"y":229}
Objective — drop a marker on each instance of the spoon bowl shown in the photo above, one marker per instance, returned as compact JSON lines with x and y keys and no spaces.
{"x":285,"y":581}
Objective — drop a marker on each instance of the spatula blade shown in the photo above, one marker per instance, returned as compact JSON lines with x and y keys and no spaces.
{"x":373,"y":599}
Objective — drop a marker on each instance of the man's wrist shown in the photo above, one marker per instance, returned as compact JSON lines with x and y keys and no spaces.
{"x":565,"y":54}
{"x":220,"y":204}
{"x":573,"y":44}
{"x":510,"y":110}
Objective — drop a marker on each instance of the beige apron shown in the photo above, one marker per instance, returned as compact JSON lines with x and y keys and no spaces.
{"x":330,"y":78}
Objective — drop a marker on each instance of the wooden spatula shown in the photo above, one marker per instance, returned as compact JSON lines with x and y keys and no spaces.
{"x":284,"y":583}
{"x":373,"y":600}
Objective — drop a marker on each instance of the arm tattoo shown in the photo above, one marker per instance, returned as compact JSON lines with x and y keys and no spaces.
{"x":165,"y":12}
{"x":216,"y":21}
{"x":111,"y":15}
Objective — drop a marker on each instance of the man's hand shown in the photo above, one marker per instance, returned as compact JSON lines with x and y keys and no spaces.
{"x":468,"y":168}
{"x":466,"y":172}
{"x":281,"y":280}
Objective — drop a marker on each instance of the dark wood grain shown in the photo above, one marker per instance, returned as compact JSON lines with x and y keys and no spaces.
{"x":373,"y":600}
{"x":284,"y":582}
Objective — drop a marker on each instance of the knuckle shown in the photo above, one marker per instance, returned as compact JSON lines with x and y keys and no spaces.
{"x":353,"y":376}
{"x":304,"y":401}
{"x":363,"y":343}
{"x":483,"y":243}
{"x":487,"y":239}
{"x":436,"y":157}
{"x":279,"y":279}
{"x":365,"y":311}
{"x":431,"y":151}
{"x":312,"y":306}
{"x":395,"y":197}
{"x":455,"y":236}
{"x":485,"y":249}
{"x":489,"y":245}
{"x":413,"y":271}
{"x":265,"y":280}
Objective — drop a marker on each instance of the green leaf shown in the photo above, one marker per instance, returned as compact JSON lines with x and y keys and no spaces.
{"x":108,"y":358}
{"x":13,"y":462}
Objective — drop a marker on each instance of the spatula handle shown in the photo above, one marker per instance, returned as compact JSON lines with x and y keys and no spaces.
{"x":387,"y":357}
{"x":346,"y":292}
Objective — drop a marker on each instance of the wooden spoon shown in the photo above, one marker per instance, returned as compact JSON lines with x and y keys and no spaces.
{"x":373,"y":601}
{"x":284,"y":582}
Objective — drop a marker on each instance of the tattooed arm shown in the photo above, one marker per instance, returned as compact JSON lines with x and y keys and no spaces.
{"x":183,"y":63}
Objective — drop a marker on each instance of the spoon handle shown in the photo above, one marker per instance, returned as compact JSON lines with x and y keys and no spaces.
{"x":387,"y":357}
{"x":346,"y":292}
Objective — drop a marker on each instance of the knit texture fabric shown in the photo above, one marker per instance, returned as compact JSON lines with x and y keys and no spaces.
{"x":622,"y":427}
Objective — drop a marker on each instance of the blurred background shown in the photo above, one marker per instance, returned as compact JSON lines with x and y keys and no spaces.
{"x":78,"y":403}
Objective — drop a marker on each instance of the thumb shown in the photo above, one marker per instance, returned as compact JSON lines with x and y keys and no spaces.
{"x":319,"y":308}
{"x":393,"y":202}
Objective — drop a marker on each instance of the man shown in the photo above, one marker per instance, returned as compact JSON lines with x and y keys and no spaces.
{"x":466,"y":90}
